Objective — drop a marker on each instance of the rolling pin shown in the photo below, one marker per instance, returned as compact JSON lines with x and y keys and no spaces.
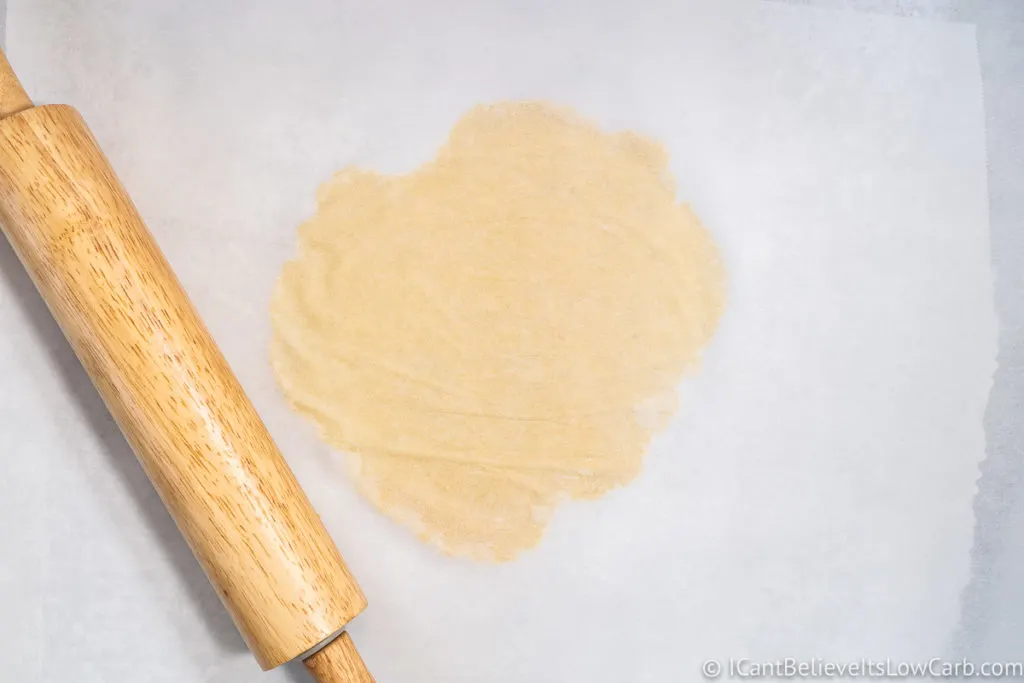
{"x":183,"y":411}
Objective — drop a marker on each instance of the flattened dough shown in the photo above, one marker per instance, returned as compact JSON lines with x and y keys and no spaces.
{"x":500,"y":330}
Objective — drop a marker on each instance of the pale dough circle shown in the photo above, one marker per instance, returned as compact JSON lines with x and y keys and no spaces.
{"x":500,"y":330}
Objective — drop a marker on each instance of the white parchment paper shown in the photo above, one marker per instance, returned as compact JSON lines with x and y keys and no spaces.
{"x":813,"y":496}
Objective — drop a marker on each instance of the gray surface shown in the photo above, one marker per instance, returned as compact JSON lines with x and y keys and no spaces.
{"x":993,"y":618}
{"x":993,"y":615}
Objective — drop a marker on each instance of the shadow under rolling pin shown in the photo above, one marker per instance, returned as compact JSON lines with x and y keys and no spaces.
{"x":173,"y":395}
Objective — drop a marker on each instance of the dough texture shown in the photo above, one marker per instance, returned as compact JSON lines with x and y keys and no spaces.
{"x":502,"y":329}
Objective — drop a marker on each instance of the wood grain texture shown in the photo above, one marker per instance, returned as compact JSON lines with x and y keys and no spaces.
{"x":169,"y":388}
{"x":338,"y":662}
{"x":13,"y":97}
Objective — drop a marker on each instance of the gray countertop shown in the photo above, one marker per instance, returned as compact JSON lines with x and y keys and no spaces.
{"x":992,"y":623}
{"x":992,"y":620}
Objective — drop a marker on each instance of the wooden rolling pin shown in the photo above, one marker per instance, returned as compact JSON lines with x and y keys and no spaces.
{"x":183,"y":411}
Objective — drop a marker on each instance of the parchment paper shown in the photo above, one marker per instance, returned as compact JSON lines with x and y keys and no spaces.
{"x":813,"y":496}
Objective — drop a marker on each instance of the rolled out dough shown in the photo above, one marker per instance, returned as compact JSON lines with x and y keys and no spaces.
{"x":502,"y":328}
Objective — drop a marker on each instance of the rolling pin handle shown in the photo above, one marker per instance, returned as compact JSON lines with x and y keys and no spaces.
{"x":13,"y":97}
{"x":338,"y":662}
